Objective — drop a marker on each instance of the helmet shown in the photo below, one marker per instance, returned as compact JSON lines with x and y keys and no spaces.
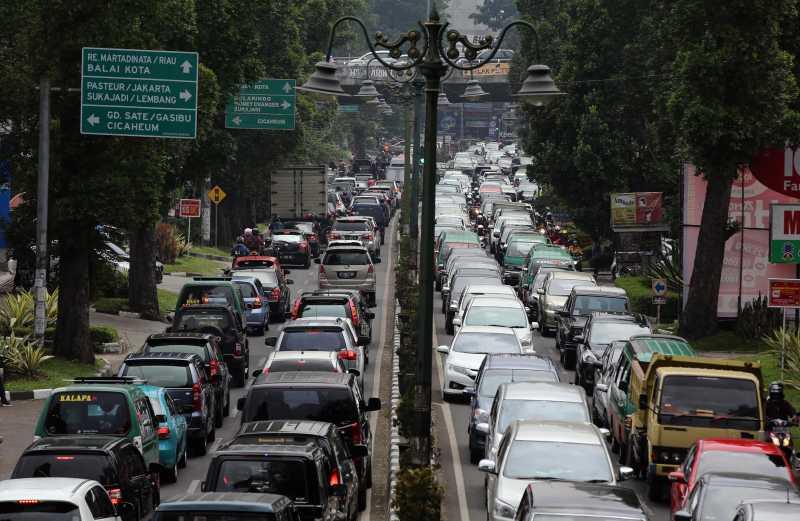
{"x":248,"y":231}
{"x":776,"y":391}
{"x":240,"y":239}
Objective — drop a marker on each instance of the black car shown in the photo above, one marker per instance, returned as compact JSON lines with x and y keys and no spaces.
{"x":323,"y":434}
{"x":221,"y":322}
{"x":311,"y":231}
{"x":301,"y":472}
{"x":336,"y":303}
{"x":209,"y":349}
{"x":184,"y":378}
{"x":599,"y":332}
{"x":582,"y":301}
{"x":291,"y":248}
{"x":113,"y":461}
{"x":564,"y":500}
{"x":214,"y":506}
{"x":495,"y":370}
{"x":329,"y":397}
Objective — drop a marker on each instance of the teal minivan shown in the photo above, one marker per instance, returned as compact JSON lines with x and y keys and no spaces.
{"x":114,"y":406}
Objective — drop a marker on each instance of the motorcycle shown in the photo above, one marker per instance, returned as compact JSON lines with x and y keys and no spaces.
{"x":779,"y":433}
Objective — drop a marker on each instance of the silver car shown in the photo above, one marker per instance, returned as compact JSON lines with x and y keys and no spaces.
{"x":499,"y":311}
{"x":553,"y":294}
{"x":348,"y":268}
{"x":357,"y":229}
{"x":537,"y":450}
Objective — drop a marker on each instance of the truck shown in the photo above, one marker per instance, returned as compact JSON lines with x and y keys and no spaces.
{"x":299,"y":191}
{"x":680,"y":399}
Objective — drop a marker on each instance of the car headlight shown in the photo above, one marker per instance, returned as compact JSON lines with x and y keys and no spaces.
{"x":670,"y":456}
{"x":459,"y":369}
{"x":503,"y":509}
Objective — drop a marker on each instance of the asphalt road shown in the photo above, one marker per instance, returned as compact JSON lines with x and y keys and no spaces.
{"x":465,"y":498}
{"x":189,"y":478}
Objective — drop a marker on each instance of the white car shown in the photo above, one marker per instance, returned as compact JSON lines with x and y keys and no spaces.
{"x":362,"y":60}
{"x":59,"y":499}
{"x":464,"y":357}
{"x":499,"y":311}
{"x":537,"y":450}
{"x":480,"y":290}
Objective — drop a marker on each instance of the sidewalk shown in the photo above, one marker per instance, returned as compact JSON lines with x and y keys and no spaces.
{"x":132,"y":333}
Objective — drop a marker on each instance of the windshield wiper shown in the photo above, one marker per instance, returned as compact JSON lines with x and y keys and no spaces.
{"x":723,"y":417}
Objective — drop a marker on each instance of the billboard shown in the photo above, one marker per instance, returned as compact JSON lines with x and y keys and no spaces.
{"x":784,"y":293}
{"x":746,"y":260}
{"x":493,"y":69}
{"x":784,"y":234}
{"x":637,"y":211}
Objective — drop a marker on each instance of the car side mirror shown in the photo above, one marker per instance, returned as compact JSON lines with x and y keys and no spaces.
{"x":338,"y":490}
{"x":257,"y":373}
{"x":271,"y":341}
{"x":605,"y":432}
{"x":359,"y":451}
{"x":482,"y":427}
{"x":289,"y":282}
{"x":487,"y":465}
{"x":625,"y":473}
{"x":642,"y":401}
{"x":363,"y":341}
{"x":373,"y":404}
{"x":354,"y":372}
{"x":677,"y":476}
{"x":602,"y":388}
{"x":317,"y":260}
{"x":682,"y":515}
{"x":370,"y":315}
{"x":457,"y":322}
{"x":534,"y":326}
{"x":241,"y":402}
{"x":540,"y":291}
{"x":578,"y":339}
{"x":443,"y":349}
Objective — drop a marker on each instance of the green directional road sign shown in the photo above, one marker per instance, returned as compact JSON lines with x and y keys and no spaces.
{"x":264,"y":105}
{"x":139,"y":93}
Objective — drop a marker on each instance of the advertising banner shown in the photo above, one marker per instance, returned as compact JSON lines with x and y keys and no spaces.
{"x":784,"y":293}
{"x":493,"y":69}
{"x":189,"y":208}
{"x":637,"y":211}
{"x":746,"y":262}
{"x":784,"y":236}
{"x":779,"y":170}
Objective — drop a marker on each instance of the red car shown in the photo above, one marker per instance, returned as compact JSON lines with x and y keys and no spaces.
{"x":726,"y":455}
{"x":246,"y":262}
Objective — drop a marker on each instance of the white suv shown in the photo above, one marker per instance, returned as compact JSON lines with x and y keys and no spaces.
{"x":74,"y":499}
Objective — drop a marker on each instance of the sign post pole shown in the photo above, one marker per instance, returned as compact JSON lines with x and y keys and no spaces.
{"x":783,"y":341}
{"x":216,"y":195}
{"x":659,"y":294}
{"x":189,"y":232}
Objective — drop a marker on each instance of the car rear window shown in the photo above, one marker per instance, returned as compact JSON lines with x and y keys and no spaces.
{"x":279,"y":476}
{"x":85,"y":466}
{"x":312,"y":339}
{"x":268,"y":278}
{"x":349,"y":226}
{"x":206,"y":294}
{"x":346,"y":258}
{"x":40,"y":511}
{"x":327,"y":404}
{"x":191,"y":320}
{"x":287,"y":238}
{"x":88,"y":412}
{"x":159,"y":373}
{"x":193,"y":350}
{"x":280,"y":366}
{"x":324,"y":309}
{"x":247,"y":289}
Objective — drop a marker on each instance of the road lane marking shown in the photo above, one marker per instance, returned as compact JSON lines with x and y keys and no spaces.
{"x":193,"y":486}
{"x":377,"y":360}
{"x":451,"y":437}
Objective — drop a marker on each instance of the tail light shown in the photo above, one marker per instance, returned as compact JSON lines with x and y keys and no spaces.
{"x":303,"y":246}
{"x":237,"y":349}
{"x":213,"y":367}
{"x":334,"y":236}
{"x":276,"y":293}
{"x":356,"y":435}
{"x":27,"y":501}
{"x":296,"y":309}
{"x":321,"y":269}
{"x":65,"y":458}
{"x":163,"y":433}
{"x":335,"y":478}
{"x":368,"y":237}
{"x":257,"y":303}
{"x":347,"y":355}
{"x":371,"y":269}
{"x":197,"y":399}
{"x":354,"y":314}
{"x":115,"y":494}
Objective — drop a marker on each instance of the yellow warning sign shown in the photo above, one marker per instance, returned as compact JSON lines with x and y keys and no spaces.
{"x":216,"y":195}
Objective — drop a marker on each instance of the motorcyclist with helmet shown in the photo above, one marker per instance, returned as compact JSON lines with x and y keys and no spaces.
{"x":777,"y":406}
{"x":240,"y":249}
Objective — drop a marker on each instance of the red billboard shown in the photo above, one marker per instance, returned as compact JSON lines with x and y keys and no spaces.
{"x":189,"y":208}
{"x":779,"y":170}
{"x":784,"y":293}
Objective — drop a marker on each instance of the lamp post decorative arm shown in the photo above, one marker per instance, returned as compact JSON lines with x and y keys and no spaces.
{"x":471,"y":50}
{"x":394,"y":47}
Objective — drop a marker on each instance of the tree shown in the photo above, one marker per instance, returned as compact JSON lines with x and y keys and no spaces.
{"x":730,"y":95}
{"x":495,"y":14}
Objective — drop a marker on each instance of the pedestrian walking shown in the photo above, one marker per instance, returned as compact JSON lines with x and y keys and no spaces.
{"x":3,"y":400}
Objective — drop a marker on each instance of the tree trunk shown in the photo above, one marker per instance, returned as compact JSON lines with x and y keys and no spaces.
{"x":142,"y":290}
{"x":73,"y":340}
{"x":700,"y":314}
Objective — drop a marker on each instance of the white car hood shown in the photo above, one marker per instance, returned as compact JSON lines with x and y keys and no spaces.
{"x":469,"y":360}
{"x":556,"y":300}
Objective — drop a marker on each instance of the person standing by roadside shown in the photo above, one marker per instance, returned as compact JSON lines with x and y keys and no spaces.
{"x":3,"y":400}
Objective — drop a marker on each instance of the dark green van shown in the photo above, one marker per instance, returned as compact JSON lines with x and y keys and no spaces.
{"x":102,"y":405}
{"x":213,"y":290}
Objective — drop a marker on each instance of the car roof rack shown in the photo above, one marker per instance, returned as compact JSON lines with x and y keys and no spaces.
{"x":107,"y":380}
{"x":212,"y":278}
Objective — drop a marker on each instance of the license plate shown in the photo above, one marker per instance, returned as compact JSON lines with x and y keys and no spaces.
{"x":346,"y":274}
{"x":352,"y":237}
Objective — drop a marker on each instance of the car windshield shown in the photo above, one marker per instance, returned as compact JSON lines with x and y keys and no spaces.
{"x":485,"y":343}
{"x":496,"y":316}
{"x":190,"y":320}
{"x":315,"y":309}
{"x":85,"y":466}
{"x":768,"y":465}
{"x":346,"y":258}
{"x":348,"y":226}
{"x":247,"y":289}
{"x":40,"y":511}
{"x":573,"y":461}
{"x":312,"y":339}
{"x":721,"y":501}
{"x":607,"y":332}
{"x":541,"y":410}
{"x":331,"y":404}
{"x":160,"y":374}
{"x":491,"y":380}
{"x":88,"y":412}
{"x":541,"y":277}
{"x":709,"y":401}
{"x":300,"y":364}
{"x":519,"y":248}
{"x":586,"y":304}
{"x":194,"y":350}
{"x":285,"y":477}
{"x":563,"y":287}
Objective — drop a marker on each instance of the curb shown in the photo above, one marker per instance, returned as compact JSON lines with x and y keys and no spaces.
{"x":185,"y":274}
{"x":394,"y":445}
{"x":208,"y":256}
{"x":41,"y":394}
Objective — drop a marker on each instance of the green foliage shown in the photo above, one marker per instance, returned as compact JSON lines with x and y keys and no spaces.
{"x":405,"y":413}
{"x":21,"y":355}
{"x":17,"y":311}
{"x":104,"y":334}
{"x":788,"y":342}
{"x":418,"y":495}
{"x":111,"y":305}
{"x":495,"y":14}
{"x":757,"y":320}
{"x":669,"y":268}
{"x":641,"y":299}
{"x":108,"y":282}
{"x":55,"y":372}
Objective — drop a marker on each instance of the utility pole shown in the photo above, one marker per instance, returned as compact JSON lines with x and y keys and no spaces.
{"x":418,"y":84}
{"x":42,"y":193}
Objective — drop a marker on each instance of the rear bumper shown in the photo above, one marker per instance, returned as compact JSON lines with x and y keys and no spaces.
{"x":366,"y":287}
{"x":234,"y":361}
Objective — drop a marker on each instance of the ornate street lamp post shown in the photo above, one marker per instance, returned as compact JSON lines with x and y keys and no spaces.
{"x":432,"y":61}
